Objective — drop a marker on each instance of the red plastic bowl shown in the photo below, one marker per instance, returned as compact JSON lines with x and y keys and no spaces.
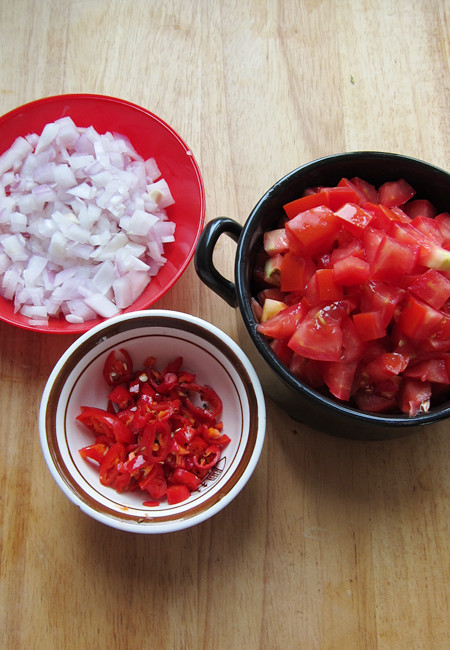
{"x":151,"y":137}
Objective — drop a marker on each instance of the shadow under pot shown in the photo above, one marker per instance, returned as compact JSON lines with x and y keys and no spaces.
{"x":316,"y":408}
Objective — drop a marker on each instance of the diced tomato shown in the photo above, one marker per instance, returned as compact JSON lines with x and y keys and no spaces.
{"x":443,"y":221}
{"x":372,"y":239}
{"x":369,"y":325}
{"x":394,"y":193}
{"x":373,"y":402}
{"x":351,"y":270}
{"x":432,"y":287}
{"x":284,"y":324}
{"x":349,"y":185}
{"x":385,"y":366}
{"x":393,"y":259}
{"x":331,"y":197}
{"x":414,"y":396}
{"x":307,"y":202}
{"x":365,"y":295}
{"x":275,"y":242}
{"x":295,"y":272}
{"x":312,"y":232}
{"x":420,"y":207}
{"x":282,"y":351}
{"x":318,"y":336}
{"x":418,"y":320}
{"x":428,"y":227}
{"x":307,"y":370}
{"x":368,"y":190}
{"x":382,"y":217}
{"x":274,"y":293}
{"x":432,"y":370}
{"x":339,"y":376}
{"x":354,"y":248}
{"x":329,"y":290}
{"x":400,"y":215}
{"x":272,"y":269}
{"x":338,"y":196}
{"x":380,"y":297}
{"x":271,"y":308}
{"x":353,"y":347}
{"x":354,"y":218}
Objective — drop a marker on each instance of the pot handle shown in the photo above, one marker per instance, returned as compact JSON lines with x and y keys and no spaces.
{"x":203,"y":259}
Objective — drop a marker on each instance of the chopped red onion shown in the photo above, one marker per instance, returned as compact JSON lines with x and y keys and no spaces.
{"x":83,"y":223}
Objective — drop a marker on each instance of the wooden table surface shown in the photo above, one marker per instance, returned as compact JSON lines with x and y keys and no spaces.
{"x":332,"y":543}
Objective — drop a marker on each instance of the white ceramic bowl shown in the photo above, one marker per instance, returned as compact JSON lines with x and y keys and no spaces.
{"x":77,"y":380}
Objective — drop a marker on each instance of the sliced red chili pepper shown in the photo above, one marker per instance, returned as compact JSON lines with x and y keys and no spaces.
{"x":142,"y":414}
{"x":184,"y":434}
{"x":156,"y":440}
{"x":94,"y":452}
{"x":187,"y":478}
{"x":177,"y":494}
{"x":154,"y":482}
{"x":102,"y":422}
{"x":186,"y":378}
{"x":212,"y":435}
{"x":118,"y":367}
{"x":126,"y":416}
{"x":135,"y":464}
{"x":122,"y":480}
{"x":208,"y":395}
{"x":108,"y":468}
{"x":120,"y":396}
{"x":152,"y":432}
{"x":209,"y":458}
{"x":169,"y":381}
{"x":177,"y":449}
{"x":166,"y":409}
{"x":197,"y":446}
{"x":173,"y":366}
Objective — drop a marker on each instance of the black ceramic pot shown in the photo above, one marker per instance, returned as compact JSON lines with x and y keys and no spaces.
{"x":321,"y":412}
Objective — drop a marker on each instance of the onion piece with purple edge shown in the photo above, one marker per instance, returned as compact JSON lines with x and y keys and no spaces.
{"x":83,"y":223}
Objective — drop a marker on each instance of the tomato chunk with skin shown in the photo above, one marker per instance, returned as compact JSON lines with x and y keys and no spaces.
{"x":395,"y":193}
{"x":415,"y":396}
{"x":393,"y":259}
{"x":351,"y":270}
{"x":419,"y":320}
{"x":354,"y":218}
{"x":295,"y":272}
{"x":369,"y":325}
{"x":318,"y":336}
{"x":284,"y":324}
{"x":313,"y":232}
{"x":432,"y":287}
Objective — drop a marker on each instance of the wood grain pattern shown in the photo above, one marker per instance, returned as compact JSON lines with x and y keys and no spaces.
{"x":332,"y":544}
